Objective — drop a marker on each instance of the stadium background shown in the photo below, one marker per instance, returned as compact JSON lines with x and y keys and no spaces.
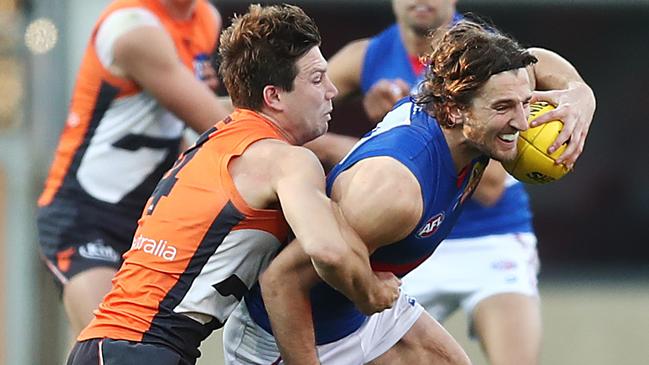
{"x":593,"y":226}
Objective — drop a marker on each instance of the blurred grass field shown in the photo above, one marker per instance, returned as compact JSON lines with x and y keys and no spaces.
{"x":599,"y":318}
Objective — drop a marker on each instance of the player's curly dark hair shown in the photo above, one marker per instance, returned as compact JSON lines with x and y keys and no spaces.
{"x":463,"y":59}
{"x":261,"y":47}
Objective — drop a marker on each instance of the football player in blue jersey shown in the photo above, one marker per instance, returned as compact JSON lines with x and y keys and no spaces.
{"x":401,"y":188}
{"x":494,"y":235}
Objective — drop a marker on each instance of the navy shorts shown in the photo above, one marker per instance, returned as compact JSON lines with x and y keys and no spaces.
{"x":75,"y":237}
{"x":120,"y":352}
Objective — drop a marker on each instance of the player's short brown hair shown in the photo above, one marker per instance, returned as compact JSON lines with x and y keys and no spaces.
{"x":261,"y":48}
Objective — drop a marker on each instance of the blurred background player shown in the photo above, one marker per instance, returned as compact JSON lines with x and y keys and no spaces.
{"x":214,"y":221}
{"x":137,"y":87}
{"x":428,"y":167}
{"x":488,"y":264}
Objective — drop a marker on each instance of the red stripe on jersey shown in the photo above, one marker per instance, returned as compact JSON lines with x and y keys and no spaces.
{"x":397,"y":269}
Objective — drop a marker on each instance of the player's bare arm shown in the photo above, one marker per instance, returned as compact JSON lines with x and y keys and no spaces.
{"x":337,"y":253}
{"x":297,"y":184}
{"x":574,"y":99}
{"x":285,"y":288}
{"x":385,"y":207}
{"x":381,"y":199}
{"x":345,"y":69}
{"x":147,"y":55}
{"x":492,"y":184}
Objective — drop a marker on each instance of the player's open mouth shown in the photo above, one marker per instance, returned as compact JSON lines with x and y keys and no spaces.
{"x":509,"y":137}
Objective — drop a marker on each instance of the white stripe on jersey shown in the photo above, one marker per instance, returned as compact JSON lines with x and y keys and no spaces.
{"x":108,"y":173}
{"x":510,"y":180}
{"x":395,"y":118}
{"x":244,"y":253}
{"x":115,"y":25}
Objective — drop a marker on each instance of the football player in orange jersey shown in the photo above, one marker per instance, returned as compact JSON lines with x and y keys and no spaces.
{"x":139,"y":84}
{"x":222,"y":212}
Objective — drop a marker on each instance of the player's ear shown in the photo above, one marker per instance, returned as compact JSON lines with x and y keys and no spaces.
{"x":455,"y":115}
{"x":272,"y":97}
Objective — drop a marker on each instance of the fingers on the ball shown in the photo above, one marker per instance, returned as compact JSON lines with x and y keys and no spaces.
{"x":546,"y":117}
{"x":572,"y":152}
{"x":561,"y":139}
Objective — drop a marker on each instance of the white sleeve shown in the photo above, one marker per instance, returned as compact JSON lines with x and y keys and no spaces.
{"x":115,"y":25}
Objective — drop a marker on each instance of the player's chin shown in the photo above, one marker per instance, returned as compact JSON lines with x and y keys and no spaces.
{"x":324,"y":127}
{"x":320,"y":130}
{"x":508,"y":155}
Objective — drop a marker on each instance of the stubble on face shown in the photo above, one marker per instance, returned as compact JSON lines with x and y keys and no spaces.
{"x":309,"y":103}
{"x":497,"y":113}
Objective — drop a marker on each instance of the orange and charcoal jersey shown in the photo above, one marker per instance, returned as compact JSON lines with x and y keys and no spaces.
{"x":118,"y":140}
{"x":198,"y":248}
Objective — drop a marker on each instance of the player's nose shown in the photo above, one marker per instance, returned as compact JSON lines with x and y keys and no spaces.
{"x":519,"y":121}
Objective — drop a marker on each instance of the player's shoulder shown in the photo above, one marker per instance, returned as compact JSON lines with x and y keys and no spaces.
{"x":384,"y":191}
{"x":386,"y":176}
{"x":276,"y":153}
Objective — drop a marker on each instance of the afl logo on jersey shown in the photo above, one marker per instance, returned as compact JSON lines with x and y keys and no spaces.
{"x":431,"y":226}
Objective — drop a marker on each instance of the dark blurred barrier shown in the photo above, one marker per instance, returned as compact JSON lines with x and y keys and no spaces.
{"x":599,"y":213}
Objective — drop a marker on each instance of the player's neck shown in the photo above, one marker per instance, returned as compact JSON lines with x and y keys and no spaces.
{"x":462,"y":152}
{"x":415,"y":44}
{"x":282,"y":127}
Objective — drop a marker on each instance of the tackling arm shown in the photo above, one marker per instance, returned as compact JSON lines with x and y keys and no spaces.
{"x":339,"y":256}
{"x":361,"y":193}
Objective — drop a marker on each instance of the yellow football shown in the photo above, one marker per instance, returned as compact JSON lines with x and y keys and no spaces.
{"x":533,"y":164}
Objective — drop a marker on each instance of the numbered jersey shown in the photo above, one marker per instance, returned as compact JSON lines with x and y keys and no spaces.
{"x":198,"y":247}
{"x":118,"y":140}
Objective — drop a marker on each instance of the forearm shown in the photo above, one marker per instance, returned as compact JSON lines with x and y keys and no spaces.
{"x":350,"y":274}
{"x":347,"y":268}
{"x":553,"y":72}
{"x":285,"y":289}
{"x":335,"y":249}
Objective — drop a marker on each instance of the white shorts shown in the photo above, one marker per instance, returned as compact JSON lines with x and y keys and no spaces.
{"x":462,"y":272}
{"x":244,"y":342}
